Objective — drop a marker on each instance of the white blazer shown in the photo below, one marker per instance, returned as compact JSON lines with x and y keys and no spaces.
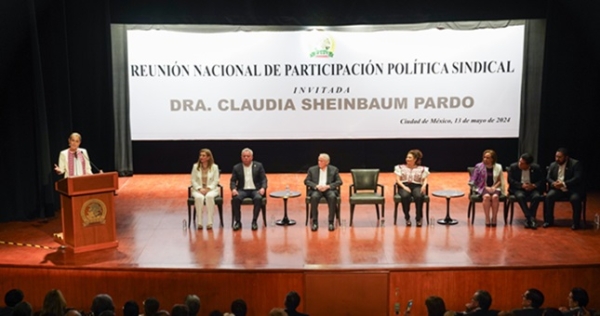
{"x":63,"y":164}
{"x":212,"y":178}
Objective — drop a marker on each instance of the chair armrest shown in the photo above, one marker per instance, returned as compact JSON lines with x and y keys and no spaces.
{"x":190,"y":191}
{"x":351,"y":189}
{"x":220,"y":189}
{"x":382,"y":189}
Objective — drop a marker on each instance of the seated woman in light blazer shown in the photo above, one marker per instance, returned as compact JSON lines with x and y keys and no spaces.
{"x":205,"y":183}
{"x":488,"y":181}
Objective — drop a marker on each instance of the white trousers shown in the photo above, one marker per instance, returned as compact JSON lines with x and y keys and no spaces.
{"x":209,"y":200}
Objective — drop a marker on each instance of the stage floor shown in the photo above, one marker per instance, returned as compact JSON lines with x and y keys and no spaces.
{"x":151,"y":209}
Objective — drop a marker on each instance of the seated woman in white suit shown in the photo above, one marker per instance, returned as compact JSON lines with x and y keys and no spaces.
{"x":205,"y":183}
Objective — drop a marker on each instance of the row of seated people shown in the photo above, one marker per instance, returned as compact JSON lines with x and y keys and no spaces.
{"x":249,"y":181}
{"x":54,"y":304}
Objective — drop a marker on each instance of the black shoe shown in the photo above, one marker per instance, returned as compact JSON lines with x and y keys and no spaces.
{"x":532,"y":224}
{"x":331,"y":227}
{"x":237,"y":226}
{"x":528,"y":224}
{"x":575,"y":227}
{"x":314,"y":227}
{"x":419,"y":223}
{"x":546,"y":224}
{"x":254,"y":226}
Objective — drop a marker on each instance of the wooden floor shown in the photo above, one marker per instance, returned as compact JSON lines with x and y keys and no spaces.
{"x":154,"y":243}
{"x":150,"y":211}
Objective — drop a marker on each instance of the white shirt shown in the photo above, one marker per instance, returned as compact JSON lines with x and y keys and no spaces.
{"x":248,"y":181}
{"x":323,"y":176}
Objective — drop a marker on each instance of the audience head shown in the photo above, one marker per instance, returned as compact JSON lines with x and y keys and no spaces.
{"x":533,"y":298}
{"x":578,"y":297}
{"x":414,"y":156}
{"x":525,"y":161}
{"x":489,"y":157}
{"x":180,"y":310}
{"x":54,"y":303}
{"x":277,"y":312}
{"x":247,"y":156}
{"x":239,"y":308}
{"x":292,"y":301}
{"x":151,"y":306}
{"x":72,"y":312}
{"x":193,"y":303}
{"x":205,"y":156}
{"x":323,"y":160}
{"x":131,"y":308}
{"x":215,"y":313}
{"x":435,"y":306}
{"x":481,"y":299}
{"x":13,"y":297}
{"x":101,"y":303}
{"x":107,"y":313}
{"x":22,"y":309}
{"x":561,"y":156}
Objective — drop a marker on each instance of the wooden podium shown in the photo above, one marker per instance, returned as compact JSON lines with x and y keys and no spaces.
{"x":88,"y":212}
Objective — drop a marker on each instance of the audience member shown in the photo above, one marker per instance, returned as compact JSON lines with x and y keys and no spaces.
{"x":488,"y":181}
{"x":578,"y":300}
{"x":435,"y":306}
{"x":239,"y":308}
{"x":526,"y":183}
{"x":22,"y":309}
{"x":72,"y":312}
{"x":205,"y":187}
{"x":412,"y":179}
{"x":11,"y":299}
{"x":531,"y":303}
{"x":151,"y":306}
{"x":291,"y":303}
{"x":107,"y":313}
{"x":215,"y":312}
{"x":480,"y":304}
{"x":131,"y":308}
{"x":565,"y":177}
{"x":54,"y":304}
{"x":248,"y":179}
{"x":277,"y":312}
{"x":193,"y":303}
{"x":101,"y":303}
{"x":180,"y":310}
{"x":323,"y":180}
{"x":552,"y":312}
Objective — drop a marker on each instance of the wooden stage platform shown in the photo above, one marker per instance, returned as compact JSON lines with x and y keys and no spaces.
{"x":358,"y":270}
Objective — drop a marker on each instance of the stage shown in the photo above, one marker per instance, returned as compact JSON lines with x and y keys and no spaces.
{"x":369,"y":264}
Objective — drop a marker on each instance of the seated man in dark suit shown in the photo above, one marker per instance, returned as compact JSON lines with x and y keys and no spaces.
{"x":526,"y":182}
{"x":565,"y":177}
{"x":532,"y":301}
{"x":323,"y":180}
{"x":578,"y":300}
{"x":248,"y":179}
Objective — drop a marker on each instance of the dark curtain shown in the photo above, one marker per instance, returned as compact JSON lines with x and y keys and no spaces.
{"x":55,"y":79}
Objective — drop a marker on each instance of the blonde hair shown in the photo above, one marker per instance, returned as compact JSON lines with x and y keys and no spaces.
{"x":211,"y":159}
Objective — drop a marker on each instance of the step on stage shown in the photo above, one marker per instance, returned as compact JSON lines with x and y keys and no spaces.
{"x":360,"y":270}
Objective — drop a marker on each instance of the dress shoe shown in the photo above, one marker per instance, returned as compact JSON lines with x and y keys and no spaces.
{"x":546,"y":224}
{"x":575,"y":227}
{"x":532,"y":224}
{"x":254,"y":226}
{"x":314,"y":227}
{"x":331,"y":227}
{"x":408,"y":223}
{"x":209,"y":227}
{"x":237,"y":226}
{"x":199,"y":227}
{"x":419,"y":223}
{"x":527,"y":224}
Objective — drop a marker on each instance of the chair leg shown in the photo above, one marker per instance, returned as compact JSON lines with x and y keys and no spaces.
{"x":395,"y":212}
{"x":472,"y":213}
{"x":189,"y":215}
{"x":383,"y":210}
{"x":306,"y":222}
{"x":338,"y":212}
{"x":427,"y":212}
{"x":220,"y":208}
{"x":377,"y":210}
{"x":505,"y":211}
{"x":264,"y":213}
{"x":351,"y":213}
{"x":512,"y":212}
{"x":469,"y":210}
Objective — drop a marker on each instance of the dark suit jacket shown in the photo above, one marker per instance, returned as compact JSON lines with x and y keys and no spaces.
{"x":333,"y":178}
{"x":295,"y":313}
{"x":258,"y":176}
{"x":529,"y":312}
{"x":573,"y":175}
{"x":535,"y":174}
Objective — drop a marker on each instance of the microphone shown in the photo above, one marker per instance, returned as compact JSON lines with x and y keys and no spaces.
{"x":91,"y":163}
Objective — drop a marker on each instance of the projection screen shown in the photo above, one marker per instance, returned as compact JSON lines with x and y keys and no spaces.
{"x":324,"y":83}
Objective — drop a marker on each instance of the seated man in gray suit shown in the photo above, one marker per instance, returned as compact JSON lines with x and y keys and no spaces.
{"x":248,"y":179}
{"x":323,"y":180}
